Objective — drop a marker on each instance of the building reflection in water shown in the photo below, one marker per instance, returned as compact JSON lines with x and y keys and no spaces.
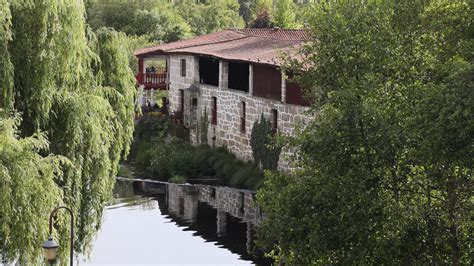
{"x":223,"y":215}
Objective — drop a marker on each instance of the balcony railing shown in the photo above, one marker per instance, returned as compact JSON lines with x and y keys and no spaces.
{"x":153,"y":80}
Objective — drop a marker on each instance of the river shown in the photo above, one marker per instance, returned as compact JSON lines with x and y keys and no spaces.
{"x":160,"y":223}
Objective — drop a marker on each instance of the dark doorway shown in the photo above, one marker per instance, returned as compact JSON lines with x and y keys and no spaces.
{"x":239,"y":76}
{"x":209,"y":71}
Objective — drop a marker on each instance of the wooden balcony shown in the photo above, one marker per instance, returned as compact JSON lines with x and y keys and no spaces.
{"x":155,"y":80}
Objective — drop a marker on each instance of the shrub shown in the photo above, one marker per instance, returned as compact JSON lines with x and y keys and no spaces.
{"x":180,"y":159}
{"x":124,"y":171}
{"x":178,"y":179}
{"x":151,"y":126}
{"x":248,"y":176}
{"x":143,"y":152}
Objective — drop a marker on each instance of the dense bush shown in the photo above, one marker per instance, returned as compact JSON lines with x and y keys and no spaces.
{"x":178,"y":179}
{"x":386,"y":163}
{"x":191,"y":162}
{"x":151,"y":126}
{"x":159,"y":149}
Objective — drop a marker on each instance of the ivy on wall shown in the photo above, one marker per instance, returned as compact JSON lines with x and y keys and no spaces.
{"x":264,"y":153}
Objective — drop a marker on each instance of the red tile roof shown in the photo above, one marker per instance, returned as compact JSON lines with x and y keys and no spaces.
{"x":252,"y":45}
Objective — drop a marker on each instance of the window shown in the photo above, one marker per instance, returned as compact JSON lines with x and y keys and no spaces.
{"x":209,"y":71}
{"x":242,"y":117}
{"x":274,"y":121}
{"x":193,"y":103}
{"x":239,"y":76}
{"x":183,"y":67}
{"x":214,"y":111}
{"x":181,"y":99}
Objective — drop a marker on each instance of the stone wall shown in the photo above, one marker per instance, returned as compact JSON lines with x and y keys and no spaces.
{"x":177,"y":82}
{"x":240,"y":203}
{"x":227,"y":131}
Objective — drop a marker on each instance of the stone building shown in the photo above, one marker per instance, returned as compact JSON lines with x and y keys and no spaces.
{"x":221,"y":83}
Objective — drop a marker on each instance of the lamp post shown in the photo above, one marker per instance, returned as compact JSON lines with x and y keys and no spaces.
{"x":50,"y":246}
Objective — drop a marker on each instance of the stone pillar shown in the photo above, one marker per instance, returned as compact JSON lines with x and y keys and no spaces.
{"x":249,"y":242}
{"x":152,"y":97}
{"x":223,"y":74}
{"x":221,"y":222}
{"x":250,"y":79}
{"x":195,"y":69}
{"x":168,"y":72}
{"x":283,"y":87}
{"x":173,"y":199}
{"x":190,"y":207}
{"x":141,"y":96}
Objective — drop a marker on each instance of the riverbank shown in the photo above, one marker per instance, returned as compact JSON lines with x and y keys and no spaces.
{"x":160,"y":153}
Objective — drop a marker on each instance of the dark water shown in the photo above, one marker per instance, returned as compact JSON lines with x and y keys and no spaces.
{"x":151,"y":223}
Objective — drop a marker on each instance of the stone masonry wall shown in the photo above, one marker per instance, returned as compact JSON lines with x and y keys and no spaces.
{"x":227,"y":131}
{"x":177,"y":82}
{"x":183,"y":201}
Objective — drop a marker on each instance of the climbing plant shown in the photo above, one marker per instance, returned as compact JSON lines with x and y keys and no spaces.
{"x":264,"y":153}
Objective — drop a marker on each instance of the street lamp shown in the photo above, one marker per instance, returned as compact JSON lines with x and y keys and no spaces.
{"x":50,"y":249}
{"x":50,"y":246}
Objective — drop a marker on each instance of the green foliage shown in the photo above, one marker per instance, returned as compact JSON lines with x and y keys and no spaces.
{"x":386,"y":164}
{"x":51,"y":29}
{"x":211,"y":16}
{"x":115,"y":13}
{"x":77,"y":88}
{"x":159,"y":95}
{"x":262,"y":14}
{"x":173,"y":159}
{"x":285,"y":16}
{"x":150,"y":127}
{"x":116,"y":74}
{"x":6,"y":67}
{"x":262,"y":6}
{"x":166,"y":160}
{"x":177,"y":179}
{"x":160,"y":25}
{"x":263,"y":20}
{"x":124,"y":171}
{"x":27,"y":192}
{"x":134,"y":43}
{"x":264,"y":153}
{"x":162,"y":21}
{"x":245,"y":10}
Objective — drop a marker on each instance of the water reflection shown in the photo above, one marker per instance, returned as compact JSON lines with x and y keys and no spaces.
{"x":158,"y":223}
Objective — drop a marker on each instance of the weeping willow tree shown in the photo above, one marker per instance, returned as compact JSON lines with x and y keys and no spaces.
{"x":27,"y":191}
{"x":75,"y":87}
{"x":6,"y":67}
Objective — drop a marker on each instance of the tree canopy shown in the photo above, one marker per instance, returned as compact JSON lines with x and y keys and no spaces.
{"x":285,"y":16}
{"x":385,"y":166}
{"x":74,"y":91}
{"x":163,"y":21}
